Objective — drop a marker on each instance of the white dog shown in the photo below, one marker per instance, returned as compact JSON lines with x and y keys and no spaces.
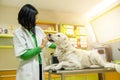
{"x":70,"y":57}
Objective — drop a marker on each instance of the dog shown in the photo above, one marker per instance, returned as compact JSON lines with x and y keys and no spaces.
{"x":72,"y":58}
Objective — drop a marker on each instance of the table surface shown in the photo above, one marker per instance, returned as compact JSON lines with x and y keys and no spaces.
{"x":98,"y":70}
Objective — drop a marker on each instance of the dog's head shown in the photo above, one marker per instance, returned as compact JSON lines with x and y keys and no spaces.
{"x":57,"y":38}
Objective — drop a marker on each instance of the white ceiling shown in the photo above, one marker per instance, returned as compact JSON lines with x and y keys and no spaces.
{"x":72,"y":6}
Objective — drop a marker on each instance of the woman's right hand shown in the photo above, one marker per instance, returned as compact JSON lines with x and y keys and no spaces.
{"x":44,"y":42}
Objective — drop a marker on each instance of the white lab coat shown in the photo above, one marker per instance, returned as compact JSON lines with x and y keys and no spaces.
{"x":28,"y":69}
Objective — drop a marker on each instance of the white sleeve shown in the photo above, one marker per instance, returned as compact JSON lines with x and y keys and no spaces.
{"x":19,"y":44}
{"x":44,"y":35}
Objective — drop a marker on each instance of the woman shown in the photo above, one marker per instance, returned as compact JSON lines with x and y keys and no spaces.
{"x":29,"y":42}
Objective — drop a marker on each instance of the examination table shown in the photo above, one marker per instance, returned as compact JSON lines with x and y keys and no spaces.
{"x":62,"y":73}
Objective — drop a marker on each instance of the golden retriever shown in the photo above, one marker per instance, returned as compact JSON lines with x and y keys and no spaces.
{"x":71,"y":58}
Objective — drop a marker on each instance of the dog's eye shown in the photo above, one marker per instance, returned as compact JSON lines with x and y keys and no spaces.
{"x":58,"y":35}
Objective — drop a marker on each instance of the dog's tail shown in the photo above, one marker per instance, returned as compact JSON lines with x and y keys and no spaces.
{"x":114,"y":66}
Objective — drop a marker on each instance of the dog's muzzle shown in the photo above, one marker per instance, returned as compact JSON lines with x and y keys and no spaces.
{"x":49,"y":38}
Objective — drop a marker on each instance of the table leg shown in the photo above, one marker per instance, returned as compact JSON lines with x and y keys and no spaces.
{"x":49,"y":76}
{"x":62,"y":77}
{"x":101,"y":76}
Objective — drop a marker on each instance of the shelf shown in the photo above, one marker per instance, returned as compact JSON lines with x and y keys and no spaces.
{"x":45,"y":23}
{"x":6,"y":36}
{"x":71,"y":35}
{"x":46,"y":31}
{"x":6,"y":47}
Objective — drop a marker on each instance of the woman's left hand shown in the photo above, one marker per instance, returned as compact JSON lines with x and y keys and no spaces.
{"x":44,"y":42}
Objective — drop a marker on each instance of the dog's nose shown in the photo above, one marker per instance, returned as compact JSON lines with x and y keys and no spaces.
{"x":49,"y":35}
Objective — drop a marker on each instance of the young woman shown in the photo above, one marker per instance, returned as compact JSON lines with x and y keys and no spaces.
{"x":29,"y":42}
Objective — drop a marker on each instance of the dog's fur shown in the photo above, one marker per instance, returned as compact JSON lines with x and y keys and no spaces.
{"x":70,"y":57}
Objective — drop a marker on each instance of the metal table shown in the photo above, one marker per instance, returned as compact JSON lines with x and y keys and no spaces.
{"x":62,"y":73}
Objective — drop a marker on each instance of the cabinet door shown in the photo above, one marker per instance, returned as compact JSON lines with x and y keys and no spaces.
{"x":75,"y":77}
{"x":8,"y":75}
{"x":112,"y":76}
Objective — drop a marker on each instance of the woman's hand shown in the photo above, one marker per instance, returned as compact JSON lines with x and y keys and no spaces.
{"x":44,"y":42}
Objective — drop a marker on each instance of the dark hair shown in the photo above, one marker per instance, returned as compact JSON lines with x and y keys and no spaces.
{"x":27,"y":17}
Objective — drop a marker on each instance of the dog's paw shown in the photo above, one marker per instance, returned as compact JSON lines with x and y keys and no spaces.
{"x":54,"y":68}
{"x":49,"y":67}
{"x":95,"y":66}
